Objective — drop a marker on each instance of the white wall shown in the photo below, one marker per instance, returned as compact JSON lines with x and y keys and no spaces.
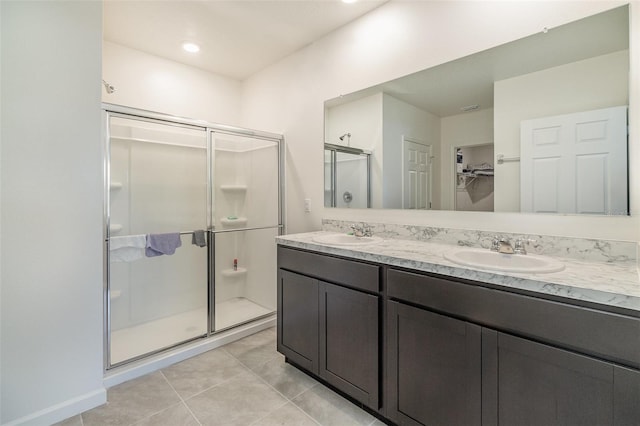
{"x":586,"y":85}
{"x":51,"y":210}
{"x":363,"y":119}
{"x":402,"y":119}
{"x":396,"y":39}
{"x":156,"y":84}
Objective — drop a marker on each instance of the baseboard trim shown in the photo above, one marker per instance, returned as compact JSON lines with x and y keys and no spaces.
{"x":64,"y":410}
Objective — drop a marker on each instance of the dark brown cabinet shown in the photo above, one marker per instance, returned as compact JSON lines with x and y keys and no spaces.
{"x":329,"y":329}
{"x":434,"y":368}
{"x":349,"y":342}
{"x":543,"y":385}
{"x":444,"y":370}
{"x":454,"y":351}
{"x":298,"y":319}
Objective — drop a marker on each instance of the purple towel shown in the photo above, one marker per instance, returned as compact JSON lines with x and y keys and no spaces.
{"x":159,"y":244}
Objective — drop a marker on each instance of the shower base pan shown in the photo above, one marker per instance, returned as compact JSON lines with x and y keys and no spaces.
{"x":132,"y":342}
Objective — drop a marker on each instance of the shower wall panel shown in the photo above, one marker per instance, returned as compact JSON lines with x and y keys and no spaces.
{"x":247,"y":219}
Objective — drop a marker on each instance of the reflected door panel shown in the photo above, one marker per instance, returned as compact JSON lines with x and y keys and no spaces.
{"x":571,"y":163}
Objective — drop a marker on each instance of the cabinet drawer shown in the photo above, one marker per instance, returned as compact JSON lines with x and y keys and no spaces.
{"x":331,"y":269}
{"x":573,"y":327}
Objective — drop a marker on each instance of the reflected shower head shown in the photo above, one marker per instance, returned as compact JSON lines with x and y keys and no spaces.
{"x":346,"y":134}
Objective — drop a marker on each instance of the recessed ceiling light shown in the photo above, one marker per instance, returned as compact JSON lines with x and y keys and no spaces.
{"x":349,"y":1}
{"x":190,"y":47}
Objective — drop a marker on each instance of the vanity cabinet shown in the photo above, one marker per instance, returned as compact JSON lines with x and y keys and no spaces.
{"x":328,"y":322}
{"x":426,"y":349}
{"x":539,"y":384}
{"x":459,"y":353}
{"x":434,"y":368}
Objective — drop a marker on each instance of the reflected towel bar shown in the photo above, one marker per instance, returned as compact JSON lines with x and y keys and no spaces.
{"x":502,"y":159}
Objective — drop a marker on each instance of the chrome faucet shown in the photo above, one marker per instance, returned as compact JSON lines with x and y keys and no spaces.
{"x":502,"y":245}
{"x":519,"y":247}
{"x":361,"y":230}
{"x":505,"y":246}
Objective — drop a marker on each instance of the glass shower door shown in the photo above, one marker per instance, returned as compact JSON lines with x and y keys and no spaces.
{"x":247,"y":218}
{"x":158,"y":185}
{"x":347,"y":177}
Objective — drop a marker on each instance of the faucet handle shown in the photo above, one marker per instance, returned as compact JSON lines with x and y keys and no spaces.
{"x":495,"y":243}
{"x":519,"y":247}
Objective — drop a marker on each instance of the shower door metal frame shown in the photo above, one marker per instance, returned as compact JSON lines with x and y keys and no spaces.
{"x":112,"y":110}
{"x":334,"y":149}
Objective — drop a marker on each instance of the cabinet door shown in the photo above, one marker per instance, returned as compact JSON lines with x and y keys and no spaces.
{"x":543,"y":385}
{"x":434,"y":368}
{"x":626,"y":402}
{"x":298,"y":319}
{"x":349,"y":342}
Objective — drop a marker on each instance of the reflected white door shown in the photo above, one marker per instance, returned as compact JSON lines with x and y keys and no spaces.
{"x":416,"y":175}
{"x":575,"y":163}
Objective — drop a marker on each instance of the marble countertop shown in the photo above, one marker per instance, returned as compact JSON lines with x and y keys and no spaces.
{"x":614,"y":284}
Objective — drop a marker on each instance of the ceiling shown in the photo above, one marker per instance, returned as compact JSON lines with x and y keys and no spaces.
{"x":237,"y":38}
{"x":443,"y":90}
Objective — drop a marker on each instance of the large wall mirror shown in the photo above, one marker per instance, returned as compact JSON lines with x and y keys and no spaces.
{"x":535,"y":125}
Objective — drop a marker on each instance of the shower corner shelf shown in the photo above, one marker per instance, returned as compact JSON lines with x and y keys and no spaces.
{"x":115,"y":228}
{"x":233,"y":188}
{"x":115,"y":294}
{"x":115,"y":185}
{"x":234,"y":223}
{"x":233,"y":272}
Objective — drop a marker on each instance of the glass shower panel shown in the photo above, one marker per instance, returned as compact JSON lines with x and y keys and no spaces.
{"x":352,"y":180}
{"x":245,"y":276}
{"x":158,"y":184}
{"x":246,"y":190}
{"x":246,"y":216}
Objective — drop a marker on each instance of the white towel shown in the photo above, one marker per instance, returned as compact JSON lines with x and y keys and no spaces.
{"x":127,"y":248}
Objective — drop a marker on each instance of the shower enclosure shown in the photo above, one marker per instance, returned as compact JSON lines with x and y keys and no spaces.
{"x":216,"y":193}
{"x":347,"y":177}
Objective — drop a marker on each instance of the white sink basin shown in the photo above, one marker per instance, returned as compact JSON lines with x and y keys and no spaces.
{"x":486,"y":259}
{"x":345,"y":240}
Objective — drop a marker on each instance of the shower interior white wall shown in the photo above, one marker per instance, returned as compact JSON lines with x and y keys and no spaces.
{"x":351,"y":176}
{"x":245,"y":195}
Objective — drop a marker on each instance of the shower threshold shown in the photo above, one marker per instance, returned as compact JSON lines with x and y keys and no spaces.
{"x":129,"y":343}
{"x":238,"y":310}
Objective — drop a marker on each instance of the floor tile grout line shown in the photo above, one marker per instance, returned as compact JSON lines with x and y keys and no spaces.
{"x":287,"y":399}
{"x":170,"y":385}
{"x":217,"y":384}
{"x":270,"y":411}
{"x":154,"y":413}
{"x":182,"y":400}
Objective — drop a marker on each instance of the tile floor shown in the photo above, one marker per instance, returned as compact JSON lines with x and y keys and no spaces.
{"x":243,"y":383}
